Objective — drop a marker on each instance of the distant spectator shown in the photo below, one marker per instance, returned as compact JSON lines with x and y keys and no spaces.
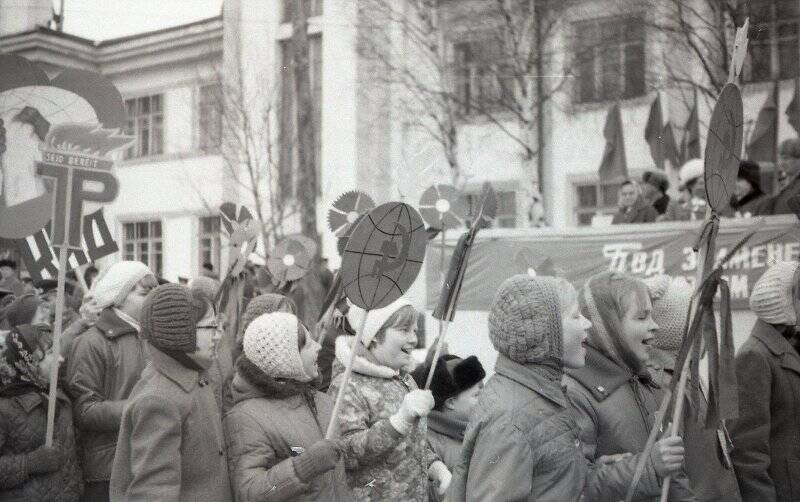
{"x":632,"y":207}
{"x":29,"y":287}
{"x":654,"y":191}
{"x":90,"y":275}
{"x":8,"y":277}
{"x":691,"y":203}
{"x":789,"y":181}
{"x":748,"y":189}
{"x":208,"y":271}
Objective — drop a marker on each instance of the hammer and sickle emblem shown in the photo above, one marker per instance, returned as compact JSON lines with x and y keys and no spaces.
{"x":392,"y":259}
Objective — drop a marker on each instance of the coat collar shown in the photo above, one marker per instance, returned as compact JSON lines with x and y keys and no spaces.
{"x":778,"y":345}
{"x":110,"y":324}
{"x":28,"y":402}
{"x":601,"y":376}
{"x":531,"y":376}
{"x":446,"y":426}
{"x":185,"y":378}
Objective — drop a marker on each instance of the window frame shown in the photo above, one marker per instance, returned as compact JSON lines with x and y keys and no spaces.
{"x":481,"y":75}
{"x":772,"y":43}
{"x":215,"y":241}
{"x":205,"y":141}
{"x":155,"y":243}
{"x":471,"y":199}
{"x":601,"y":205}
{"x":135,"y":116}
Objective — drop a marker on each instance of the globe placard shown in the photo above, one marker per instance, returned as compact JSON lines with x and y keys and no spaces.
{"x":383,"y":256}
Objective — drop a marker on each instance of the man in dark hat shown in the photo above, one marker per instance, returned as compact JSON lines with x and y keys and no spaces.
{"x":654,"y":190}
{"x":748,"y":188}
{"x":9,"y":279}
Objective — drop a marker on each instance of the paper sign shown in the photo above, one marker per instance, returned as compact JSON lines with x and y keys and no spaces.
{"x":241,"y":230}
{"x":346,"y":210}
{"x":291,"y":258}
{"x":723,"y":147}
{"x":441,"y":206}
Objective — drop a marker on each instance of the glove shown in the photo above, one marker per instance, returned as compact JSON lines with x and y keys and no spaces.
{"x":416,"y":404}
{"x":440,"y":474}
{"x":44,"y":460}
{"x":318,"y":459}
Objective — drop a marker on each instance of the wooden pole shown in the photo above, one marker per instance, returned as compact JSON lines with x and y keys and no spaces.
{"x":705,"y":261}
{"x":436,"y":354}
{"x":51,"y":403}
{"x":338,"y":404}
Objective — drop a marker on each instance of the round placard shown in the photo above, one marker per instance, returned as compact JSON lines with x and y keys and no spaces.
{"x":383,"y":255}
{"x":723,"y":148}
{"x":442,"y":206}
{"x":291,"y":258}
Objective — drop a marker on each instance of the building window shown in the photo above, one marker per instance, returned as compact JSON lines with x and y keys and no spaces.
{"x":146,"y":122}
{"x":609,"y":58}
{"x":143,"y":242}
{"x":210,"y":242}
{"x":288,"y":135}
{"x":506,"y":208}
{"x":483,"y":82}
{"x":595,"y":198}
{"x":209,"y":117}
{"x":310,"y":8}
{"x":773,"y":46}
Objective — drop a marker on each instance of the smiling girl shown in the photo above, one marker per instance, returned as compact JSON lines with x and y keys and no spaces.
{"x":382,"y":413}
{"x":615,"y":395}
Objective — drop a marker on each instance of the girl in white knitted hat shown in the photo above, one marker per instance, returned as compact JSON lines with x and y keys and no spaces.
{"x":275,"y":432}
{"x":382,"y":416}
{"x":766,"y":436}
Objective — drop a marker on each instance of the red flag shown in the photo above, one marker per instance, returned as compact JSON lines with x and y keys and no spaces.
{"x":659,"y":136}
{"x":690,"y":147}
{"x":793,"y":110}
{"x":761,"y":146}
{"x":614,"y":167}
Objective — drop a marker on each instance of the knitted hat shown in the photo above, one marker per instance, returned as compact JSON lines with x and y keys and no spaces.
{"x":692,"y":169}
{"x":525,"y":320}
{"x":657,"y":179}
{"x":265,"y":304}
{"x":170,"y":314}
{"x":119,"y":279}
{"x":772,"y":299}
{"x":22,"y":310}
{"x":205,"y":287}
{"x":452,"y":376}
{"x":375,"y":319}
{"x":750,"y":172}
{"x":671,"y":299}
{"x":270,"y":342}
{"x":601,"y":301}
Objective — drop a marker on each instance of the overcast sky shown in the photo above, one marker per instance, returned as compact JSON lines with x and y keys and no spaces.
{"x":104,"y":19}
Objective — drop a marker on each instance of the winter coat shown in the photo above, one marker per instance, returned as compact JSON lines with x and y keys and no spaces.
{"x":381,"y":463}
{"x":710,"y":476}
{"x":263,"y":430}
{"x":766,"y":436}
{"x":750,"y":203}
{"x":23,"y":423}
{"x":616,"y":412}
{"x":171,"y":446}
{"x":221,"y":375}
{"x":521,"y":442}
{"x":105,"y":363}
{"x":640,"y":212}
{"x":445,"y":437}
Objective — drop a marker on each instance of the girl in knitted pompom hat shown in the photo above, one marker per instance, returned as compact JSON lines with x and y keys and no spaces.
{"x":104,"y":364}
{"x":276,"y":430}
{"x":615,"y":395}
{"x":522,"y":441}
{"x":710,"y":477}
{"x":382,"y":416}
{"x":766,"y":436}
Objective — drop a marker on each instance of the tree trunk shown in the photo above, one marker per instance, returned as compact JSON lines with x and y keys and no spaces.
{"x":306,"y":190}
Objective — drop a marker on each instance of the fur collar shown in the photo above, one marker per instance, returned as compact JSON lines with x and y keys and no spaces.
{"x":364,"y":362}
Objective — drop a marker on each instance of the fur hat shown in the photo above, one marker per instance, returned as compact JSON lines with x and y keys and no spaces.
{"x":657,"y":179}
{"x":111,"y":288}
{"x":750,"y":172}
{"x":692,"y":169}
{"x":205,"y":287}
{"x":525,"y":320}
{"x":772,"y":297}
{"x":7,"y":262}
{"x":271,"y":343}
{"x":671,"y":298}
{"x":22,"y":310}
{"x":375,"y":319}
{"x":451,"y":377}
{"x":170,"y":314}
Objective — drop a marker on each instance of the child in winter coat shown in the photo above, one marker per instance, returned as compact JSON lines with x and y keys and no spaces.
{"x":258,"y":306}
{"x":171,"y":446}
{"x":275,"y":432}
{"x":615,"y":395}
{"x":766,"y":436}
{"x":104,"y":364}
{"x":710,"y":475}
{"x":456,"y":385}
{"x":29,"y":470}
{"x":382,"y":413}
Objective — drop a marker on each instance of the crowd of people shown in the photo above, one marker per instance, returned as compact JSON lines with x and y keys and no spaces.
{"x":646,"y":200}
{"x":158,"y":401}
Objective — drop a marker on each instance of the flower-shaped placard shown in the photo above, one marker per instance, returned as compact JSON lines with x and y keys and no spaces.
{"x":441,"y":206}
{"x":291,"y":258}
